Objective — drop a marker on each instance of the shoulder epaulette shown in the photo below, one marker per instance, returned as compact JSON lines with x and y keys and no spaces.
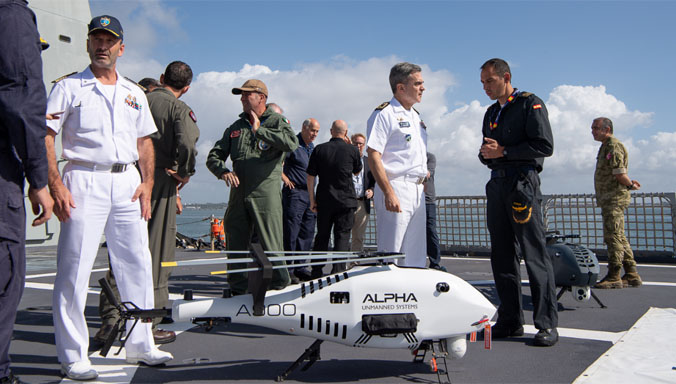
{"x":525,"y":94}
{"x":416,"y":111}
{"x":137,"y":84}
{"x":382,"y":106}
{"x":63,"y":77}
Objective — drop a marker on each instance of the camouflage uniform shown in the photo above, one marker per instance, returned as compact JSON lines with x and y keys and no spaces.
{"x":613,"y":198}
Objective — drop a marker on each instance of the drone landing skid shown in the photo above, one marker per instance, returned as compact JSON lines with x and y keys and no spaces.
{"x":311,"y":354}
{"x":127,"y":311}
{"x":591,"y":292}
{"x":441,"y":352}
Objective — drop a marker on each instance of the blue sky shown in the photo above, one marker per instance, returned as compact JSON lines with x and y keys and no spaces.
{"x":330,"y":60}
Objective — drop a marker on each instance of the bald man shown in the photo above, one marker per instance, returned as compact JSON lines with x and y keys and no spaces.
{"x":334,"y":162}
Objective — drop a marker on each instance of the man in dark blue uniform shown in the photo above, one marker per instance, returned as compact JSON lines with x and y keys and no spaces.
{"x":22,"y":154}
{"x":517,"y":138}
{"x":299,"y":220}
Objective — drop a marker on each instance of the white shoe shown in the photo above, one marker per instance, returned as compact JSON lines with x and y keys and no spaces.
{"x":154,"y":357}
{"x":79,"y":370}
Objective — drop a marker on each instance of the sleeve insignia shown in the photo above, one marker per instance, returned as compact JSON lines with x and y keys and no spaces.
{"x":63,"y":77}
{"x":235,"y":134}
{"x":537,"y":106}
{"x":609,"y":156}
{"x":382,"y":106}
{"x":284,"y":119}
{"x":192,"y":116}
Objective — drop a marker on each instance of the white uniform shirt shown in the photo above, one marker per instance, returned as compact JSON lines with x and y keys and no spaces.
{"x":358,"y":181}
{"x":400,"y":136}
{"x":95,"y":130}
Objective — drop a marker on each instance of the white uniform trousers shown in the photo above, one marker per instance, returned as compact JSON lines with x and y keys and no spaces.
{"x":103,"y":204}
{"x":403,"y":231}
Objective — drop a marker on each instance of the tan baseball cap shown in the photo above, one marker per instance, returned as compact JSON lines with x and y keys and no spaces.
{"x":252,"y":85}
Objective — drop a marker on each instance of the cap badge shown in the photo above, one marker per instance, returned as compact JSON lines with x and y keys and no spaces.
{"x":105,"y":21}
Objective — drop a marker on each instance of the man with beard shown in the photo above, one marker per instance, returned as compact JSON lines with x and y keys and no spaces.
{"x":106,"y":126}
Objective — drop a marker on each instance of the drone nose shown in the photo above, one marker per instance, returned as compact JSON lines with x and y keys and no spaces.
{"x":442,"y":287}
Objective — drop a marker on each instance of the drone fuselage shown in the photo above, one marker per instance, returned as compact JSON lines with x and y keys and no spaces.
{"x":335,"y":307}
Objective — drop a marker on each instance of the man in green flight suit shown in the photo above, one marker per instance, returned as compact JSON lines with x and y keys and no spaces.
{"x":256,"y":144}
{"x":612,"y":186}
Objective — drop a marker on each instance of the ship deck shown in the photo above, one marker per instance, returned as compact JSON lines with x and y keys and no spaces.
{"x":595,"y":346}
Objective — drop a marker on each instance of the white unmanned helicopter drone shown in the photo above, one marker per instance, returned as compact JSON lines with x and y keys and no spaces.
{"x":380,"y":305}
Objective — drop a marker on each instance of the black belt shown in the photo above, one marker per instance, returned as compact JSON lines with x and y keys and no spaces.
{"x":511,"y":171}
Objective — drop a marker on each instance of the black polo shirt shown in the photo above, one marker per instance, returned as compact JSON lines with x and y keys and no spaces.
{"x":335,"y":162}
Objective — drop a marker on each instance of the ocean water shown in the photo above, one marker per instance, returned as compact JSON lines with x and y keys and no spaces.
{"x":195,"y":222}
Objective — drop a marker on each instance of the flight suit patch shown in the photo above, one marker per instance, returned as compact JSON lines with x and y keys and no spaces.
{"x":235,"y":134}
{"x":263,"y":146}
{"x":193,"y":117}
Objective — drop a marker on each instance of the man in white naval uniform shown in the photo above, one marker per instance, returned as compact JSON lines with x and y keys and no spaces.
{"x":397,"y":155}
{"x":106,"y":125}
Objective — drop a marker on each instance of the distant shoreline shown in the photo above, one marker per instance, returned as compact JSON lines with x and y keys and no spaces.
{"x":205,"y":205}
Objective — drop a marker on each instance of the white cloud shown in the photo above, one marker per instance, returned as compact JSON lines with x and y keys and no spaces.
{"x":349,"y":90}
{"x":337,"y":89}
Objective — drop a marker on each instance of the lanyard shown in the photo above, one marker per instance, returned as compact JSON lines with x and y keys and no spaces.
{"x":494,"y":123}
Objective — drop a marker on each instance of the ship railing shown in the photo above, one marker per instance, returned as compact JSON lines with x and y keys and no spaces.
{"x":649,"y":223}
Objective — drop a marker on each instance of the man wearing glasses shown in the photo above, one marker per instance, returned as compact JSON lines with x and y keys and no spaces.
{"x":363,"y":188}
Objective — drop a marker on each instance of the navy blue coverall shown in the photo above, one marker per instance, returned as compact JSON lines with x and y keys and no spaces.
{"x":299,"y":220}
{"x":22,"y":152}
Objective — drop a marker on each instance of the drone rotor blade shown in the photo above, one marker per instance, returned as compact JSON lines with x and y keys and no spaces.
{"x":309,"y":264}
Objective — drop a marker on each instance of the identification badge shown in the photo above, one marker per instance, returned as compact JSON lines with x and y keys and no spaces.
{"x":404,"y":124}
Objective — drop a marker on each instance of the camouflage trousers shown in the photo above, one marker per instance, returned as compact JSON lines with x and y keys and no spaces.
{"x":619,"y":250}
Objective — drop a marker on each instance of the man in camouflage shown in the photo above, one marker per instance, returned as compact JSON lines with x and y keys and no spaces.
{"x":612,"y":186}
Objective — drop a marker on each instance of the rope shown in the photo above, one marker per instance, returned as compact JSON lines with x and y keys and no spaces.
{"x":193,"y":222}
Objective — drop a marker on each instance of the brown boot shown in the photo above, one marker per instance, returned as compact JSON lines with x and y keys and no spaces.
{"x":612,"y":279}
{"x":631,"y":277}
